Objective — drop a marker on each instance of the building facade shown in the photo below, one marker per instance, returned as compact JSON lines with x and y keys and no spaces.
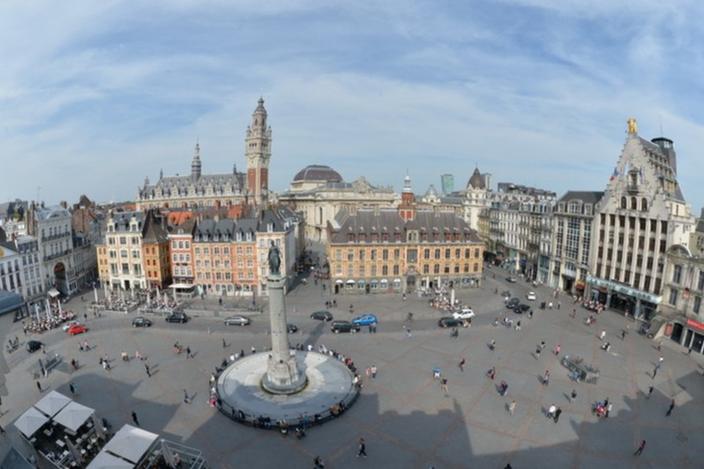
{"x":380,"y":250}
{"x":123,"y":247}
{"x":519,"y":228}
{"x":52,"y":228}
{"x":20,"y":267}
{"x":155,"y":251}
{"x":217,"y":190}
{"x":318,"y":193}
{"x":642,"y":214}
{"x":572,"y":220}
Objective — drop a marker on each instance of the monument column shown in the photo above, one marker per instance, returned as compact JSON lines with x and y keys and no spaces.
{"x":282,"y":375}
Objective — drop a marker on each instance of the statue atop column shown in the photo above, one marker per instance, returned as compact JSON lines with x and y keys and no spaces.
{"x":274,"y":259}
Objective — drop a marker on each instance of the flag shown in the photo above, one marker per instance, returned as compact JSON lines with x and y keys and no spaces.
{"x":614,"y":175}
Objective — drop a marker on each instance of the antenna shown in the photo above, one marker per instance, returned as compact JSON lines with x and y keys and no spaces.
{"x":660,"y":119}
{"x":39,"y":189}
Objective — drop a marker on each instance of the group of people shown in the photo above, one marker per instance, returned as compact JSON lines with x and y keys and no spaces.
{"x":55,"y":319}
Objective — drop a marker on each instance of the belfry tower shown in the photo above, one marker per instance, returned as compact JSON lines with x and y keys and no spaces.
{"x":258,"y":153}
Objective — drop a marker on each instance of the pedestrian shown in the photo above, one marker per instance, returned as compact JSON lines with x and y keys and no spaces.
{"x":537,"y":352}
{"x":373,"y":371}
{"x":134,"y":418}
{"x":573,"y":395}
{"x":492,"y":345}
{"x":491,"y":373}
{"x":558,"y":305}
{"x":186,"y":399}
{"x":461,"y":365}
{"x":362,"y":448}
{"x":242,"y":353}
{"x":546,"y":378}
{"x":188,"y":352}
{"x":318,"y":463}
{"x":669,"y":409}
{"x":443,"y":385}
{"x":556,"y":417}
{"x":650,"y":392}
{"x":39,"y":386}
{"x":224,"y":344}
{"x":149,"y":372}
{"x":253,"y":350}
{"x":602,"y":334}
{"x":623,"y":334}
{"x":72,"y":388}
{"x":2,"y":430}
{"x":573,"y":314}
{"x":512,"y":407}
{"x":556,"y":350}
{"x":640,"y":448}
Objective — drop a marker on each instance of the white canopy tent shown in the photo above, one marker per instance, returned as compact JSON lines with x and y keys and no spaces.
{"x":53,"y":293}
{"x":73,"y":416}
{"x":105,"y":460}
{"x":52,"y":403}
{"x":131,"y":443}
{"x":31,"y":421}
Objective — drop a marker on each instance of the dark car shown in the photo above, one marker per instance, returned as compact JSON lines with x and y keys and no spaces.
{"x":140,"y":321}
{"x":344,"y":326}
{"x":511,"y":279}
{"x":177,"y":317}
{"x":322,"y":316}
{"x":521,"y":308}
{"x":452,"y":322}
{"x":512,"y":303}
{"x":33,"y":346}
{"x":292,"y":328}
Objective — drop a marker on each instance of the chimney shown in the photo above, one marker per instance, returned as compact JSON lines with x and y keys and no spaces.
{"x":63,"y":204}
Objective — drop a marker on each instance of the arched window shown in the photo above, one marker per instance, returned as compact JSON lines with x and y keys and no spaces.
{"x":644,"y":204}
{"x":623,"y":202}
{"x":634,"y":203}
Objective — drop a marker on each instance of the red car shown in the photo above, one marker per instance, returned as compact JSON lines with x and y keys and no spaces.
{"x":77,"y":329}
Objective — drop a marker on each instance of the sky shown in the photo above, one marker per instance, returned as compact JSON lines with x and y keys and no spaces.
{"x":94,"y":96}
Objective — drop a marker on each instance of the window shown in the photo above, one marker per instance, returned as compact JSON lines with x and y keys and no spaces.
{"x":623,"y":202}
{"x":673,"y":297}
{"x":644,"y":204}
{"x":436,"y":268}
{"x":696,"y":305}
{"x":676,"y":274}
{"x":700,"y":282}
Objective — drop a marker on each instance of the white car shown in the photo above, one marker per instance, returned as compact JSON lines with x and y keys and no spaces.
{"x":531,"y":296}
{"x":68,"y":325}
{"x":464,"y":313}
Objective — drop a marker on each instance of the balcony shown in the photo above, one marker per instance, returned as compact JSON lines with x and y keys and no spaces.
{"x":56,"y":255}
{"x":632,"y":188}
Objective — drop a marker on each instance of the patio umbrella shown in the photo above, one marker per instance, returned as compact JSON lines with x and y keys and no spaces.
{"x":98,"y":425}
{"x":48,"y":309}
{"x":36,"y":310}
{"x":75,"y":453}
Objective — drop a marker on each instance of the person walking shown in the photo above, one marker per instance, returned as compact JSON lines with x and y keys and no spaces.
{"x":640,"y":448}
{"x":556,"y":417}
{"x":362,"y":448}
{"x":224,"y":344}
{"x":149,"y":372}
{"x":461,"y":365}
{"x":72,"y":388}
{"x":669,"y":409}
{"x":39,"y":386}
{"x":602,"y":335}
{"x":186,"y":399}
{"x":318,"y":463}
{"x":573,"y":395}
{"x":373,"y":370}
{"x":512,"y":407}
{"x":188,"y":351}
{"x":546,"y":378}
{"x":253,"y":350}
{"x":650,"y":392}
{"x":134,"y":418}
{"x":443,"y":385}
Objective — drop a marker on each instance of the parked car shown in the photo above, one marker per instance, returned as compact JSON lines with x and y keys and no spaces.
{"x":344,"y":326}
{"x":177,"y":317}
{"x":522,"y":308}
{"x":322,"y":316}
{"x":141,"y":321}
{"x":67,"y":325}
{"x":33,"y":346}
{"x":531,"y":296}
{"x":511,"y":279}
{"x":237,"y":321}
{"x":291,"y":328}
{"x":452,"y":322}
{"x":464,"y":313}
{"x":77,"y":329}
{"x":365,"y":320}
{"x":512,"y":303}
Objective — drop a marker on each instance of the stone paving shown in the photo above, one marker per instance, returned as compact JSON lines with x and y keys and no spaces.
{"x":405,"y":417}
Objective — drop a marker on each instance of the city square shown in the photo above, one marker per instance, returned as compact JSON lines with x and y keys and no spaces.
{"x":403,"y":414}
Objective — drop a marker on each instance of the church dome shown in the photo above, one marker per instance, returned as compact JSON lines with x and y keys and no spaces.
{"x":316,"y":172}
{"x":476,"y":181}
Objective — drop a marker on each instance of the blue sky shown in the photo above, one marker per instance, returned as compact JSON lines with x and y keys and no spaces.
{"x":94,"y":96}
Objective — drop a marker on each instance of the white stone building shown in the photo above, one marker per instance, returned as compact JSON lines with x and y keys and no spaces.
{"x":642,"y":214}
{"x":20,"y":267}
{"x":570,"y":240}
{"x":52,"y":227}
{"x":123,"y":240}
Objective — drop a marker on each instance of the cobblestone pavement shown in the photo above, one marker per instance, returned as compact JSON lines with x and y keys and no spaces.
{"x":405,"y":417}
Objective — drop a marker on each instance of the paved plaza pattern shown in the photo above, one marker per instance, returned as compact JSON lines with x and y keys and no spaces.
{"x":407,"y":420}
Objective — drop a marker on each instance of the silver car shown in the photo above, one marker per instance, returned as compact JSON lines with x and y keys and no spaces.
{"x":237,"y":321}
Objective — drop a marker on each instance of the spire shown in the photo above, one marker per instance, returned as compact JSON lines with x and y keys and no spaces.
{"x":161,"y":174}
{"x":196,"y":165}
{"x":407,"y":184}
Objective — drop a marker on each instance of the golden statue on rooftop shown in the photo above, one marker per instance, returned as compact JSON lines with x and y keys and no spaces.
{"x":632,"y":126}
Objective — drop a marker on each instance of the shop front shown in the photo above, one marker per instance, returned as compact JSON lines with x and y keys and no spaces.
{"x":689,"y":334}
{"x":621,"y":297}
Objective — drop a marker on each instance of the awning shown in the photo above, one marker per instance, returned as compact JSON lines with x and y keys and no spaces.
{"x":181,"y":285}
{"x":31,"y":421}
{"x":53,"y":293}
{"x":105,"y":460}
{"x":339,"y":282}
{"x":73,"y":416}
{"x":350,"y":282}
{"x":131,"y":443}
{"x":52,"y":403}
